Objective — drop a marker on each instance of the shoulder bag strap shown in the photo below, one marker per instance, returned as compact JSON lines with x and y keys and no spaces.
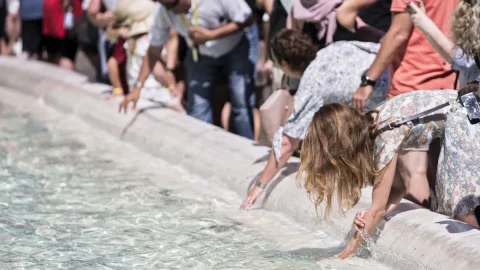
{"x":414,"y":119}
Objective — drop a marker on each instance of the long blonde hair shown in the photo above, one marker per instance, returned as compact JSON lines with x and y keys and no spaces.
{"x":466,"y":26}
{"x":338,"y":155}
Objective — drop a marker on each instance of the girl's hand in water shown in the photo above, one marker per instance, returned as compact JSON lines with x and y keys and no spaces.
{"x":351,"y":248}
{"x":354,"y":244}
{"x":251,"y":197}
{"x":359,"y":222}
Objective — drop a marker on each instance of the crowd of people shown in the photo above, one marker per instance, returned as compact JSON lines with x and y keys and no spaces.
{"x":375,"y":86}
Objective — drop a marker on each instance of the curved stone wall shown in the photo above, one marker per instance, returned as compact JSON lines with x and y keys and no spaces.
{"x":413,"y":237}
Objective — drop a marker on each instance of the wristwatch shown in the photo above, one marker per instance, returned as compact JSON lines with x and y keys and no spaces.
{"x":366,"y":81}
{"x":261,"y":185}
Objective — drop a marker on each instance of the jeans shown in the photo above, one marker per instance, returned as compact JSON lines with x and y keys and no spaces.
{"x":204,"y":74}
{"x":253,"y":39}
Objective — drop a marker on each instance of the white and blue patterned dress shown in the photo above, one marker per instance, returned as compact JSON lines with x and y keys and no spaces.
{"x":333,"y":77}
{"x":458,"y":176}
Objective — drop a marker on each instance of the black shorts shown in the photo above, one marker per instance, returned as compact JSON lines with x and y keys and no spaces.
{"x":66,"y":48}
{"x":3,"y":17}
{"x":32,"y":38}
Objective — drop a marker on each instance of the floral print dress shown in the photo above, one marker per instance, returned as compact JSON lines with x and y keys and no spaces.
{"x":458,"y":174}
{"x":333,"y":77}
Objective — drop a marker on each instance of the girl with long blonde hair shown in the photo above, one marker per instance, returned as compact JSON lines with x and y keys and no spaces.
{"x":345,"y":150}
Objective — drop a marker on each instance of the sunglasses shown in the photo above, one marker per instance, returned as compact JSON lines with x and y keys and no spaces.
{"x":171,"y":4}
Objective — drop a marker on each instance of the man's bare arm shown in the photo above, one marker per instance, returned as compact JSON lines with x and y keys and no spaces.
{"x":395,"y":41}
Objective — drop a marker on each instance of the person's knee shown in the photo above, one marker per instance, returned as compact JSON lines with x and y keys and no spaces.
{"x":242,"y":99}
{"x":199,"y":106}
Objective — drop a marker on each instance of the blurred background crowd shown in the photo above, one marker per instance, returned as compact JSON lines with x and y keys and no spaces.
{"x":90,"y":37}
{"x":222,"y":61}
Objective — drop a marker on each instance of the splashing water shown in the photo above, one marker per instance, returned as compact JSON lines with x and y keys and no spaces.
{"x":72,"y":197}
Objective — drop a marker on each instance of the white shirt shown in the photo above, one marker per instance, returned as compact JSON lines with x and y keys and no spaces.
{"x":13,"y":6}
{"x":152,"y":89}
{"x":212,"y":15}
{"x":110,"y":4}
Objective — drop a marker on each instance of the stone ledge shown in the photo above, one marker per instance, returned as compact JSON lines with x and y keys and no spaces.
{"x":413,"y":238}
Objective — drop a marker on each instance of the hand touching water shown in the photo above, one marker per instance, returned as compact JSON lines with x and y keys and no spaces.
{"x":355,"y":242}
{"x":351,"y":248}
{"x":252,"y":196}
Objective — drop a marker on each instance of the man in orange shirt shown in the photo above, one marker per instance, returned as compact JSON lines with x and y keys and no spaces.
{"x":414,"y":63}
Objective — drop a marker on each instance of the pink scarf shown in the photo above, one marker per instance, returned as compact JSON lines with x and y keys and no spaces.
{"x":321,"y":12}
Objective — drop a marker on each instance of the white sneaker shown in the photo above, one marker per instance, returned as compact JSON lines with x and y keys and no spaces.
{"x":17,"y":48}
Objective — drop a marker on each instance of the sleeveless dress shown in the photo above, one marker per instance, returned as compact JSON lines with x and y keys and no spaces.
{"x":458,"y":174}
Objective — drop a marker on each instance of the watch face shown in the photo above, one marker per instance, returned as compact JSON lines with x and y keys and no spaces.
{"x":364,"y":81}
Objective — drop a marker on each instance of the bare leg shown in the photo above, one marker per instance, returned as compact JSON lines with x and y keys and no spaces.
{"x":470,"y":218}
{"x":226,"y":113}
{"x":256,"y":124}
{"x":3,"y":47}
{"x":179,"y":91}
{"x":94,"y":60}
{"x":413,"y":167}
{"x":66,"y":63}
{"x":13,"y":29}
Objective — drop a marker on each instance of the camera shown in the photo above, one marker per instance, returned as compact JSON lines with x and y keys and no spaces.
{"x":471,"y":102}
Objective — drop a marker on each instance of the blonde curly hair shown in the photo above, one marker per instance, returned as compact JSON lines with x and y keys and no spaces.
{"x":338,"y":157}
{"x":466,"y":27}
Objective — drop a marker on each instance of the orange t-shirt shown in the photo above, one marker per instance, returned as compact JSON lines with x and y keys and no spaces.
{"x":420,"y":67}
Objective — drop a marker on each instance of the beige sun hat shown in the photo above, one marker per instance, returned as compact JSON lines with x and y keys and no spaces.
{"x":137,"y":15}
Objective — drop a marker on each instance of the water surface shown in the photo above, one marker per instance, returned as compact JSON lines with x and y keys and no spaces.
{"x":72,"y":197}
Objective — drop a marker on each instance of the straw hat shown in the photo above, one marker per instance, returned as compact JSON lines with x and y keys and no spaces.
{"x":137,"y":15}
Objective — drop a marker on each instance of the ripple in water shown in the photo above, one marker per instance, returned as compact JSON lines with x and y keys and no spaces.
{"x":72,"y":199}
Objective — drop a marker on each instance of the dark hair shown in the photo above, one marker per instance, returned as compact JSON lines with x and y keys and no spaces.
{"x":293,"y":47}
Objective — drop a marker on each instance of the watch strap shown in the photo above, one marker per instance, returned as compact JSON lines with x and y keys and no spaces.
{"x":261,"y":185}
{"x":366,"y":81}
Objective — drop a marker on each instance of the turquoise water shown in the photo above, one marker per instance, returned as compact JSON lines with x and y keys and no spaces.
{"x":75,"y":198}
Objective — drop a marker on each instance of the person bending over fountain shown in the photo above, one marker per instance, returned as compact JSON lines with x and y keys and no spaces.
{"x":329,"y":75}
{"x":345,"y":150}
